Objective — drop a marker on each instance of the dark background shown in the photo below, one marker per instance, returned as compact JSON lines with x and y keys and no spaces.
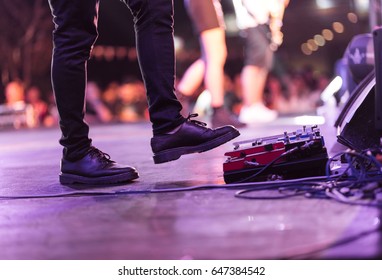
{"x":29,"y":60}
{"x":301,"y":22}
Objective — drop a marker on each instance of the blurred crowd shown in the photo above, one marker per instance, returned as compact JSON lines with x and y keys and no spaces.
{"x":30,"y":107}
{"x":294,"y":93}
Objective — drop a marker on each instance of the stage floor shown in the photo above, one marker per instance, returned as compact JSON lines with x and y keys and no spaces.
{"x":133,"y":222}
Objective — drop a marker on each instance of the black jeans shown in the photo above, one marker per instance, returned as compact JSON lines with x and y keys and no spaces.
{"x":74,"y":36}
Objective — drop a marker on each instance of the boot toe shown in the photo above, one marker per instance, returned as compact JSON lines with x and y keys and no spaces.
{"x":191,"y":137}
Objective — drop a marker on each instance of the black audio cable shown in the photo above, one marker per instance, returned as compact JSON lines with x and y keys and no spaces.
{"x":359,"y":184}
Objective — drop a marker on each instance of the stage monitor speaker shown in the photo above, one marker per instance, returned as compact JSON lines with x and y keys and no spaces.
{"x":377,"y":38}
{"x":356,"y":123}
{"x":360,"y":56}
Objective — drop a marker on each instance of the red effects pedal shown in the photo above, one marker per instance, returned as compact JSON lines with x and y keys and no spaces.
{"x":290,"y":155}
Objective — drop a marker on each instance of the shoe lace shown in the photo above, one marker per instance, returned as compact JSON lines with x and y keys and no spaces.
{"x":101,"y":156}
{"x":194,"y":115}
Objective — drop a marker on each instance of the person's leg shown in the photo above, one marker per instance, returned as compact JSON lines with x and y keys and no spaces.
{"x":73,"y":37}
{"x":214,"y":54}
{"x":206,"y":17}
{"x":189,"y":84}
{"x":192,"y":78}
{"x":155,"y":45}
{"x":208,"y":21}
{"x":174,"y":135}
{"x":253,"y":83}
{"x":258,"y":61}
{"x":253,"y":80}
{"x":209,"y":68}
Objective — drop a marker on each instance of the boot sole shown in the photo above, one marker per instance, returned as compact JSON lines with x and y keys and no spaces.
{"x":70,"y":179}
{"x":174,"y":154}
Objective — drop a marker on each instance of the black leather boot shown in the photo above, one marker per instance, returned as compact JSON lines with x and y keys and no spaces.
{"x":191,"y":137}
{"x":95,"y":167}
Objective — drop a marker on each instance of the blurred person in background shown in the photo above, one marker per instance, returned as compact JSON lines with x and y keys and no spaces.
{"x":15,"y":94}
{"x":260,"y":23}
{"x":208,"y":21}
{"x":133,"y":101}
{"x":278,"y":100}
{"x":232,"y":99}
{"x":96,"y":110}
{"x":299,"y":97}
{"x":20,"y":113}
{"x":111,"y":99}
{"x":41,"y":114}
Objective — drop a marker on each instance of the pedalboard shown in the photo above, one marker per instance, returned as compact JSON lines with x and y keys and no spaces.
{"x":286,"y":156}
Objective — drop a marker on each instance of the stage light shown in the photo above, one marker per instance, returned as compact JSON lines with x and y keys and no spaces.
{"x":312,"y":45}
{"x":97,"y":52}
{"x":109,"y":53}
{"x":132,"y":54}
{"x":179,"y":43}
{"x":121,"y":53}
{"x":362,"y":6}
{"x":319,"y":40}
{"x":338,"y":27}
{"x":325,"y":4}
{"x":309,"y":120}
{"x":327,"y":34}
{"x":352,"y":17}
{"x":305,"y":49}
